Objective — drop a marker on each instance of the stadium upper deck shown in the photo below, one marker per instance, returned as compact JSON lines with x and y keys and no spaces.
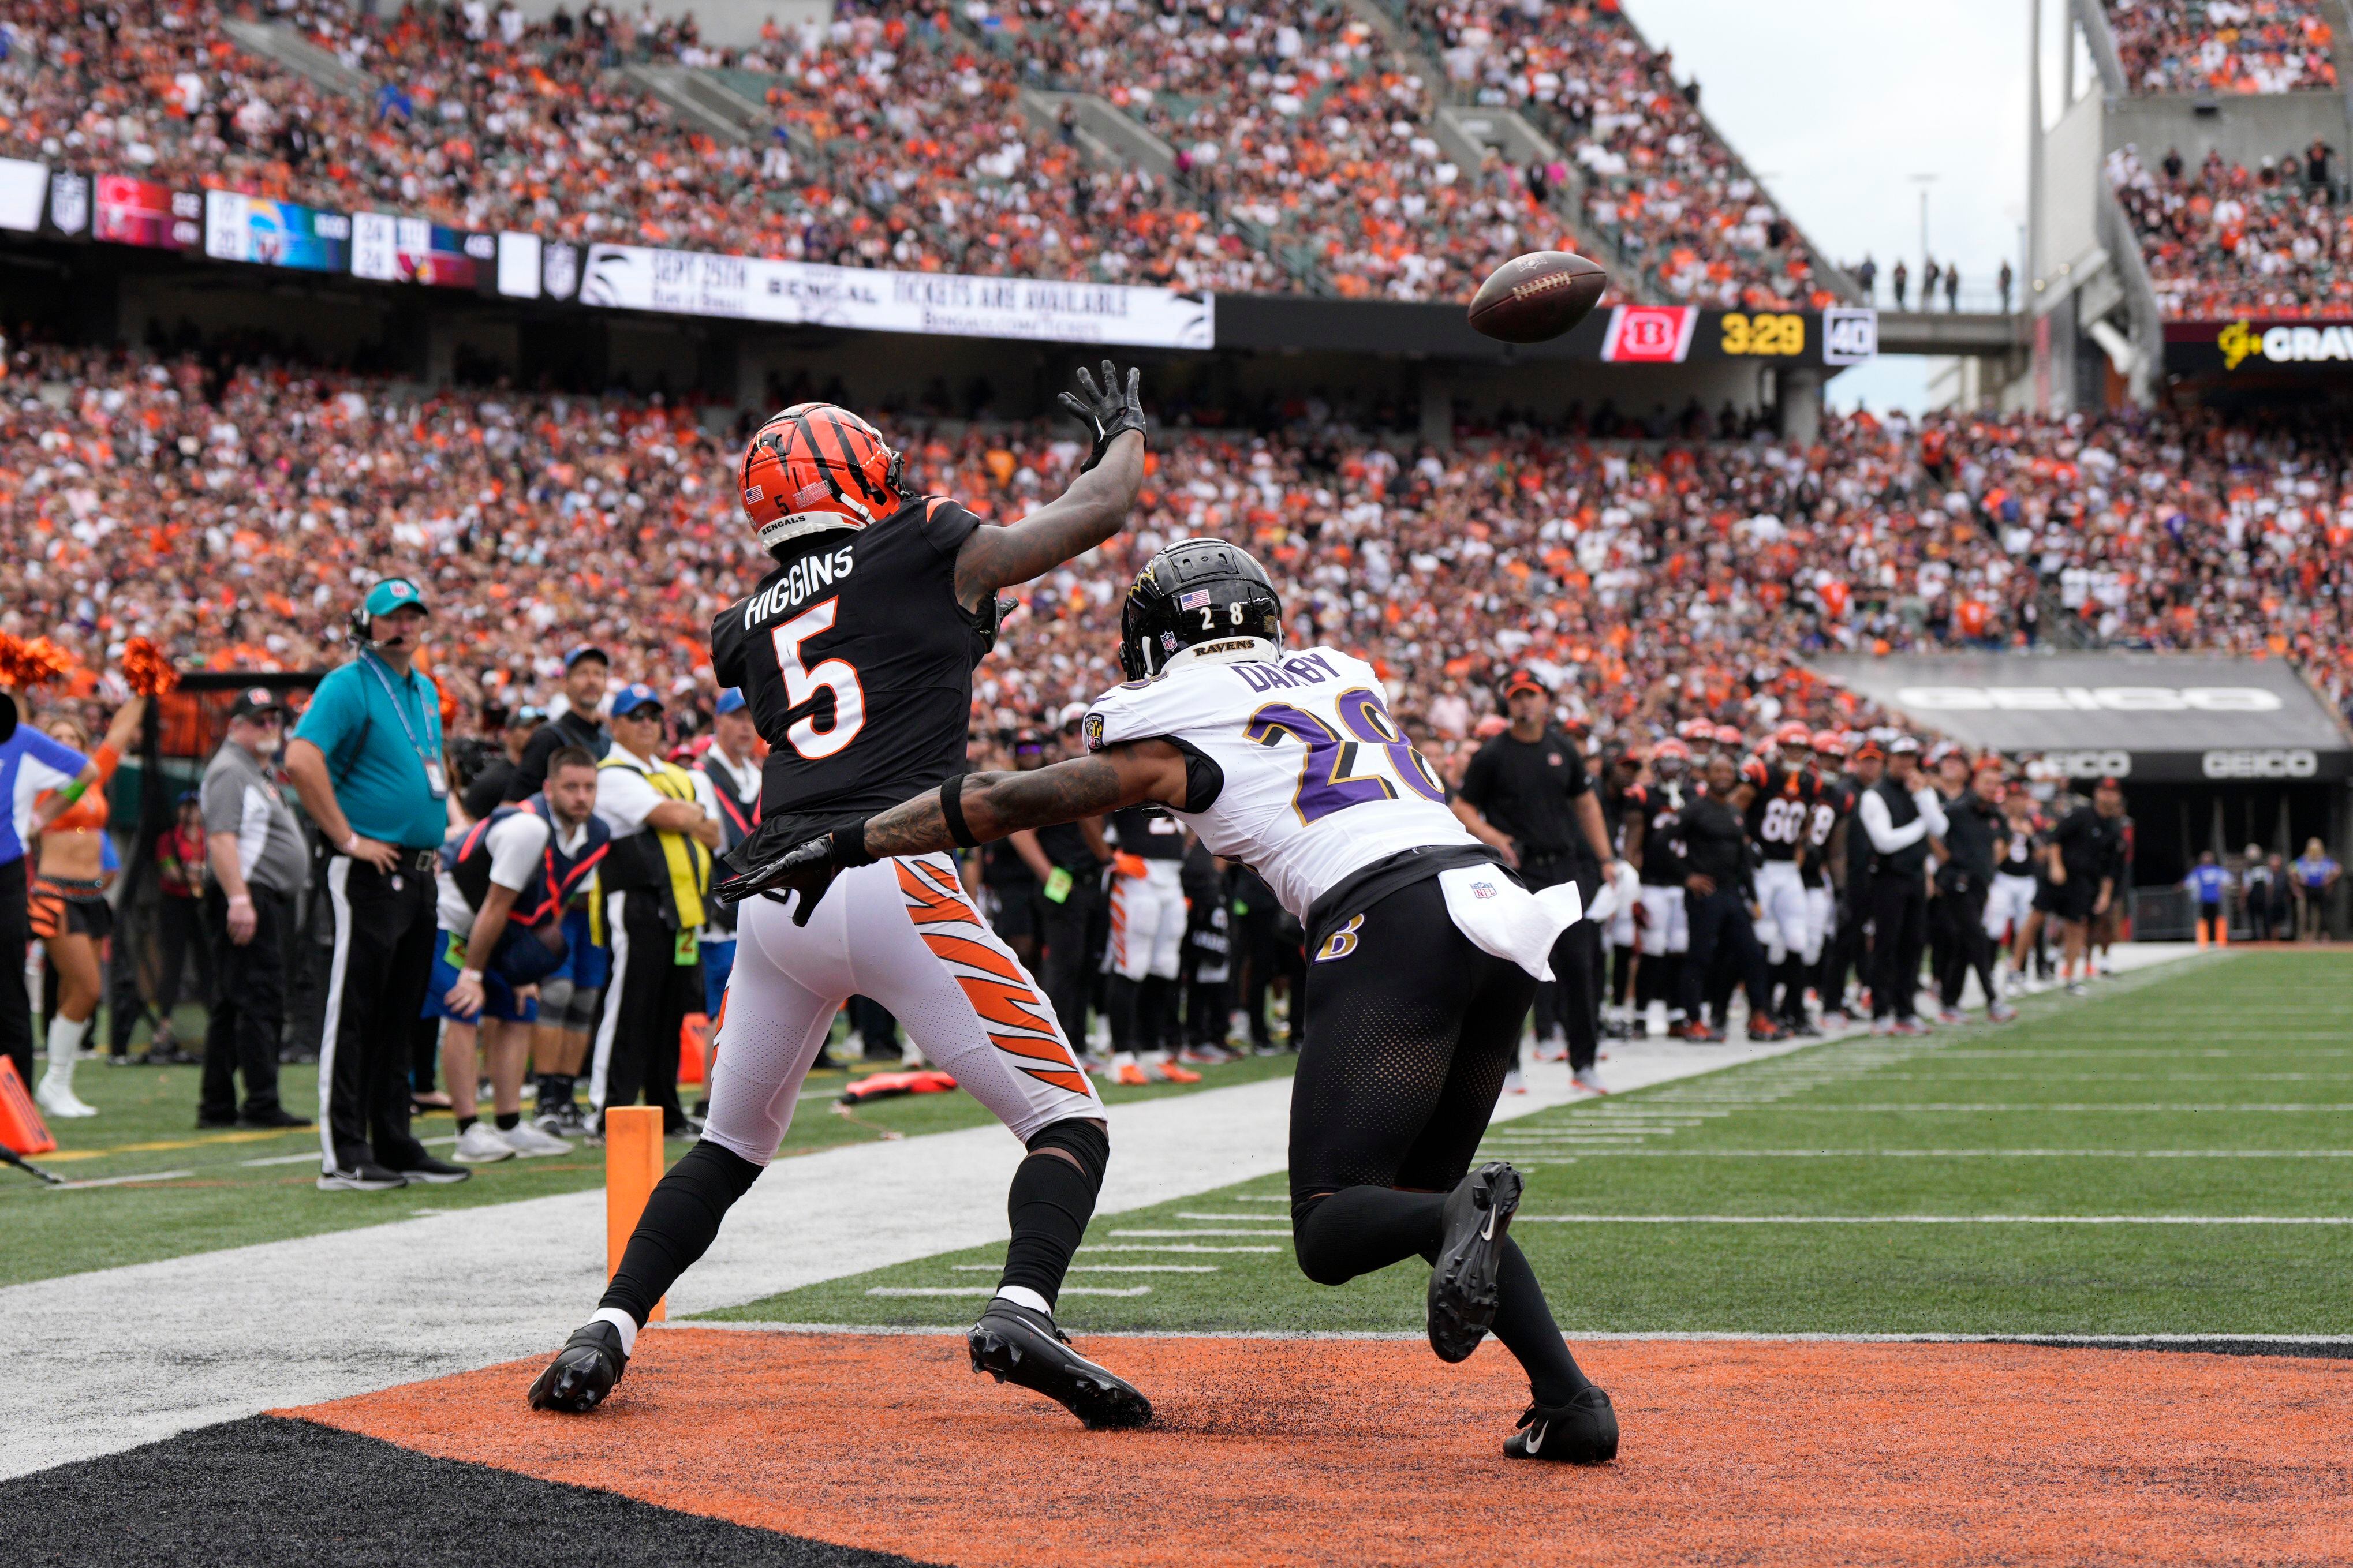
{"x":1305,"y":156}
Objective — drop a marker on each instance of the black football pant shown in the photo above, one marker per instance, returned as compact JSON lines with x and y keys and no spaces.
{"x":15,"y":936}
{"x":1723,"y":933}
{"x":1068,"y":979}
{"x":1899,"y":928}
{"x":1960,"y":912}
{"x":383,"y":940}
{"x":249,"y":1010}
{"x":646,"y":1004}
{"x":1408,"y":1036}
{"x":1570,"y":1003}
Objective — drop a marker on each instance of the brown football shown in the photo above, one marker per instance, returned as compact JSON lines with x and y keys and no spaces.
{"x":1541,"y":295}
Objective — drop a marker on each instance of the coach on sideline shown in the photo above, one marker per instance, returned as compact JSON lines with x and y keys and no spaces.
{"x":366,"y":760}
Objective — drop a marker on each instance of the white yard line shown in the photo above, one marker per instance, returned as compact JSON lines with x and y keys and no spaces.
{"x":1913,"y":1219}
{"x":107,"y":1360}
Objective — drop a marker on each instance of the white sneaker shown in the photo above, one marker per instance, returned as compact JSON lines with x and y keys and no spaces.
{"x":1552,"y":1048}
{"x":910,"y":1058}
{"x":60,"y":1101}
{"x":481,"y":1144}
{"x":528,"y":1142}
{"x":1515,"y":1082}
{"x":1588,"y":1080}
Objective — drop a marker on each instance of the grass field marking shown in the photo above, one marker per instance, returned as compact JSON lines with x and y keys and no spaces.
{"x":1148,"y":1246}
{"x":2291,"y":1345}
{"x":991,"y":1291}
{"x":1284,"y":1234}
{"x":1105,"y":1268}
{"x":1985,"y":1153}
{"x":1979,"y":1074}
{"x":2074,"y":1108}
{"x":1929,"y":1219}
{"x":1261,"y":1197}
{"x":120,"y":1181}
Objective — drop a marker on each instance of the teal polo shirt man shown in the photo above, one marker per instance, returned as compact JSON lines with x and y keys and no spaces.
{"x":367,"y":761}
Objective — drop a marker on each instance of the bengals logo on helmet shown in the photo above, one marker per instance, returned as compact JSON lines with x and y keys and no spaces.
{"x":815,"y":466}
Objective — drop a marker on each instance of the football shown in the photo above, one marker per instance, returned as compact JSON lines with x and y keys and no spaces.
{"x":1536,"y":296}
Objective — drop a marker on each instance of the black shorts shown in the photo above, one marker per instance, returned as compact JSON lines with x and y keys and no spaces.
{"x":66,"y":906}
{"x":2072,"y":901}
{"x":1011,"y":908}
{"x":1410,"y":1030}
{"x":2048,"y":896}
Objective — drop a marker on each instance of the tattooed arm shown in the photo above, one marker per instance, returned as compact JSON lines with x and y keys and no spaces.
{"x":1083,"y":516}
{"x":995,"y":805}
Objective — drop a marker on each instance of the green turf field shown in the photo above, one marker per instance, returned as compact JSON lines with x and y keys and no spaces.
{"x":182,"y":1190}
{"x":1758,"y":1198}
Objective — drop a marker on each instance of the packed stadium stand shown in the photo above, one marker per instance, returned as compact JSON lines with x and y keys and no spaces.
{"x":227,"y":510}
{"x":1303,"y":154}
{"x":2220,"y":240}
{"x":2223,"y":46}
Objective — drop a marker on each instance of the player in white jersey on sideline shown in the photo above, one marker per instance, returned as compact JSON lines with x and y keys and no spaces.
{"x":1424,"y":952}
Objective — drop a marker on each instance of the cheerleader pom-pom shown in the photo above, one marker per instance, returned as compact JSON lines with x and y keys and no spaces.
{"x":34,"y":662}
{"x":146,"y":670}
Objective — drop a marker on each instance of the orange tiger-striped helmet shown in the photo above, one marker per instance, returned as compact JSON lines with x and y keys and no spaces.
{"x":815,"y":466}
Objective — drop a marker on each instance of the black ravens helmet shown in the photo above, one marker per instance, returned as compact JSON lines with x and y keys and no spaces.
{"x":1195,"y":592}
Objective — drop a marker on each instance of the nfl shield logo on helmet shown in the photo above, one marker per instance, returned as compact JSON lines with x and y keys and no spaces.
{"x":1093,"y":732}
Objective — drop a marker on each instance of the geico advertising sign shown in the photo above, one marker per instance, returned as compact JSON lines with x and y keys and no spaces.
{"x":2240,"y":341}
{"x":2261,"y":763}
{"x":2088,"y":699}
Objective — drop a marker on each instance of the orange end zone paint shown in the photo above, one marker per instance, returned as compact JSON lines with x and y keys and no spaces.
{"x":1317,"y":1452}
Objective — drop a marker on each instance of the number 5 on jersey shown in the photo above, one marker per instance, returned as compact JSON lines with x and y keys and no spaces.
{"x":802,"y":684}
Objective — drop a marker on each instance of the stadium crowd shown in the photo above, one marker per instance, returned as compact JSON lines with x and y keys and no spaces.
{"x":2223,"y":46}
{"x":1303,"y":139}
{"x":1658,"y":184}
{"x":226,"y":510}
{"x":2221,"y":241}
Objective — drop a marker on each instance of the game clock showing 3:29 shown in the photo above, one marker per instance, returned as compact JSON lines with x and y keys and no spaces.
{"x":1764,"y":335}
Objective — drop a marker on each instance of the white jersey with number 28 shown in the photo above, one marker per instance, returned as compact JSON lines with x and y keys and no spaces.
{"x":1319,"y":780}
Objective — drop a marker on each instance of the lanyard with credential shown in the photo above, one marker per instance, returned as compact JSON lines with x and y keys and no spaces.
{"x":434,"y":778}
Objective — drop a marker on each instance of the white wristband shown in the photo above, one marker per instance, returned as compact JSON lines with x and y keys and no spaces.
{"x":236,"y":899}
{"x":475,"y":975}
{"x":351,"y":846}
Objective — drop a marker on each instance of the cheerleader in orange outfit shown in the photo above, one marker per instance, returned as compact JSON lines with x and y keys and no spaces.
{"x":70,"y":916}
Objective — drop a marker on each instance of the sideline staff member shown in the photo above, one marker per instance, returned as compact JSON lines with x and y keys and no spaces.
{"x":366,"y":760}
{"x":259,"y":862}
{"x":1530,"y":783}
{"x":655,"y":877}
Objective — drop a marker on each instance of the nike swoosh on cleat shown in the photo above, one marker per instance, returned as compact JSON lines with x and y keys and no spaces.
{"x":1488,"y":1232}
{"x":1536,"y":1435}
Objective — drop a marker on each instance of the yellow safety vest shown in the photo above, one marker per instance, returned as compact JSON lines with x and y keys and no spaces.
{"x":687,"y":862}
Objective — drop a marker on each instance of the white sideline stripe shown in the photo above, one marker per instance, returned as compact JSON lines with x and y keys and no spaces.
{"x":346,"y":1313}
{"x":126,"y":1181}
{"x":1261,"y":1198}
{"x":2072,"y":1107}
{"x":1284,"y":1234}
{"x":991,"y":1291}
{"x":1928,"y":1219}
{"x":1106,"y":1268}
{"x":1145,"y":1246}
{"x":2033,"y":1337}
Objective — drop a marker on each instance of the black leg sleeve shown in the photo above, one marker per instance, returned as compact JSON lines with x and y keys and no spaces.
{"x":1359,"y":1230}
{"x":1523,"y":1323}
{"x":681,"y":1220}
{"x":1051,"y":1199}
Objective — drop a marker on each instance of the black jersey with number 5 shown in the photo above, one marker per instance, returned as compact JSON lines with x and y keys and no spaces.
{"x":856,"y":662}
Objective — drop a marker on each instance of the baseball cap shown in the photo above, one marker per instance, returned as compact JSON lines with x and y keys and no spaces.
{"x":2111,"y":782}
{"x":1521,"y":680}
{"x":731,"y":700}
{"x":1871,"y":751}
{"x":1902,"y":744}
{"x":633,"y":696}
{"x":393,"y":593}
{"x":255,"y":699}
{"x":1072,"y":714}
{"x":586,"y":650}
{"x":526,"y":718}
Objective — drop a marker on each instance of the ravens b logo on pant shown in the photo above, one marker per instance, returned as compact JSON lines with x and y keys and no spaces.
{"x":1341,"y":942}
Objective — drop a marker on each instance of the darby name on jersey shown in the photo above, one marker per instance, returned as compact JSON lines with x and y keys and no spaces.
{"x":807,"y":576}
{"x":1301,"y":669}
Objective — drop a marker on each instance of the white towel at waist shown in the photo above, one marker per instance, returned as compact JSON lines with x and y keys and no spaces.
{"x":1503,"y":918}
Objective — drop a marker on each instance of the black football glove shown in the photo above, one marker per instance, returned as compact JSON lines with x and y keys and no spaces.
{"x":1107,"y":410}
{"x":808,"y":868}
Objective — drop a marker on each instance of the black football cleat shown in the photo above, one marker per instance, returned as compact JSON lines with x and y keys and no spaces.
{"x":1462,"y":1285}
{"x":583,"y":1372}
{"x":1582,"y":1431}
{"x":1014,"y":1344}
